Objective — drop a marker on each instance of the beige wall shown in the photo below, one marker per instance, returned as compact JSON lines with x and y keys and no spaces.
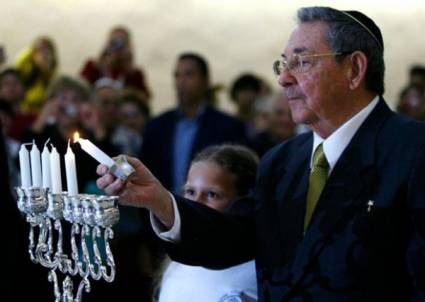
{"x":235,"y":35}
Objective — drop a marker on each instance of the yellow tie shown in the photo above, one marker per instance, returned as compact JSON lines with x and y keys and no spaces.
{"x":317,"y":180}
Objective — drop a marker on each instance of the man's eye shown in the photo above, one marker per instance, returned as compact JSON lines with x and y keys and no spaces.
{"x":305,"y":62}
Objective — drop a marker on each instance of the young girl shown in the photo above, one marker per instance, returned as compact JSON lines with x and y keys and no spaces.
{"x":217,"y":176}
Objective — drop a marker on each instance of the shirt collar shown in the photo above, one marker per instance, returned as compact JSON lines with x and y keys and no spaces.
{"x":201,"y":110}
{"x":335,"y":144}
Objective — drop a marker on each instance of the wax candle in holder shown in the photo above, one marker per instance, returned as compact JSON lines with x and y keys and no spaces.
{"x":24,"y":163}
{"x":71,"y":172}
{"x":45,"y":166}
{"x":35,"y":166}
{"x":55,"y":171}
{"x":119,"y":167}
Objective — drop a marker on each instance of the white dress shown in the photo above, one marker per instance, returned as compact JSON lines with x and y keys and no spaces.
{"x":184,"y":283}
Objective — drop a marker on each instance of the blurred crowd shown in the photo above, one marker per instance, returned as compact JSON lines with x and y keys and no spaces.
{"x":110,"y":103}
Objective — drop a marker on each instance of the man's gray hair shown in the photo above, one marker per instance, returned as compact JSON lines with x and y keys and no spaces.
{"x":348,"y":34}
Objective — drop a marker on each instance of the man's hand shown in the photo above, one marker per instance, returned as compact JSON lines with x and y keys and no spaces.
{"x":141,"y":190}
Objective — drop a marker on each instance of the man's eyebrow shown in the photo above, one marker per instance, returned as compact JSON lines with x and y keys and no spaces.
{"x":297,"y":50}
{"x":300,"y":49}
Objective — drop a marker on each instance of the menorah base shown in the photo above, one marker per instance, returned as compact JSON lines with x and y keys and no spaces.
{"x":92,"y":218}
{"x":67,"y":293}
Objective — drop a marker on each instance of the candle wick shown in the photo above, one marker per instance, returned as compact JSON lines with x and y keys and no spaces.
{"x":48,"y":140}
{"x":68,"y":142}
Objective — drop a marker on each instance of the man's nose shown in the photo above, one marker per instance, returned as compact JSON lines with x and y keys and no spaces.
{"x":286,"y":78}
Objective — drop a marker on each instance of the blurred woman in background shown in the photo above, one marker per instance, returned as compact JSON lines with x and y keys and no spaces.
{"x":116,"y":62}
{"x":37,"y":66}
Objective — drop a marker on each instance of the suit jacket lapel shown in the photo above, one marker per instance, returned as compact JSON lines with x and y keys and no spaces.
{"x":346,"y":189}
{"x":165,"y":141}
{"x":290,"y":195}
{"x":289,"y":172}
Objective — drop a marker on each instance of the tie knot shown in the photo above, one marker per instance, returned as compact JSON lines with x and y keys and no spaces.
{"x":319,"y":158}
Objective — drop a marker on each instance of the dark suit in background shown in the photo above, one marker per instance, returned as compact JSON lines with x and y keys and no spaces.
{"x":214,"y":127}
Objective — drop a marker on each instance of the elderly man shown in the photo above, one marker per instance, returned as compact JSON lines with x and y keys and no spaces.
{"x":340,"y":212}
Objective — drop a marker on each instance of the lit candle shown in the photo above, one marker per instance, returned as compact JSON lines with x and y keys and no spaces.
{"x":71,"y":172}
{"x":45,"y":165}
{"x":24,"y":163}
{"x":93,"y":151}
{"x":35,"y":166}
{"x":55,"y":171}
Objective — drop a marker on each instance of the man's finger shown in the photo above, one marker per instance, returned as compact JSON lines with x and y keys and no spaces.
{"x":114,"y":188}
{"x":101,"y":170}
{"x":105,"y":181}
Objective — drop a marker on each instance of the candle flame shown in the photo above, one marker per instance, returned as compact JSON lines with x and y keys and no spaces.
{"x":76,"y":136}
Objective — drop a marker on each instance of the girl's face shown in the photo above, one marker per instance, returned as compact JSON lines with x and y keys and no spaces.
{"x":210,"y":185}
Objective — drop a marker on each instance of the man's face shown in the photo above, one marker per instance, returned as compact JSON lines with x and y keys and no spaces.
{"x":69,"y":107}
{"x":281,"y":123}
{"x":413,"y":104}
{"x":190,"y":84}
{"x":418,"y":79}
{"x":108,"y":102}
{"x":6,"y":122}
{"x":131,"y":117}
{"x":314,"y":95}
{"x":246,"y":98}
{"x":11,"y":88}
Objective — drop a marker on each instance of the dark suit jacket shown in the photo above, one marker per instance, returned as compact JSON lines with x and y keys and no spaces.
{"x":351,"y":251}
{"x":157,"y":149}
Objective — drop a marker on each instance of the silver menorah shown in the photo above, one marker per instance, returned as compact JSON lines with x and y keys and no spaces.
{"x":91,"y":218}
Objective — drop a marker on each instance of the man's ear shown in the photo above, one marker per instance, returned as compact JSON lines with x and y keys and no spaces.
{"x":358,"y":66}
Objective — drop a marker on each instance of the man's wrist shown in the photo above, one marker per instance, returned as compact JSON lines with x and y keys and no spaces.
{"x":166,"y":213}
{"x":172,"y":233}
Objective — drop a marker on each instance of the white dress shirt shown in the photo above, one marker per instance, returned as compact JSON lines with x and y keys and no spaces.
{"x":336,"y":143}
{"x":333,"y":146}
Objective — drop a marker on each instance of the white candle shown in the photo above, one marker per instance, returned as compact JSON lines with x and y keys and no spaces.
{"x":35,"y":166}
{"x":93,"y":151}
{"x":45,"y":166}
{"x":55,"y":172}
{"x":71,"y":172}
{"x":24,"y":163}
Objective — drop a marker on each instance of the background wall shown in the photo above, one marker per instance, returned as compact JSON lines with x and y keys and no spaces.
{"x":234,"y":35}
